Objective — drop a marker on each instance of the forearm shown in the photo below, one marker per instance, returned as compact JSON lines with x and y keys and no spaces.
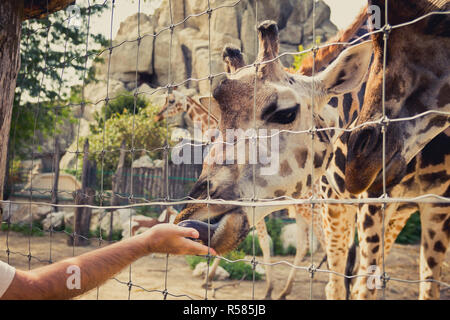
{"x":95,"y":267}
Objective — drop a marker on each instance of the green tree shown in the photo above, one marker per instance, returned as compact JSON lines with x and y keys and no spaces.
{"x":53,"y":56}
{"x":298,"y":58}
{"x":138,"y":130}
{"x":123,"y":103}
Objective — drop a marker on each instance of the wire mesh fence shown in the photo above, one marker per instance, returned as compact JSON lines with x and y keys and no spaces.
{"x":137,"y":189}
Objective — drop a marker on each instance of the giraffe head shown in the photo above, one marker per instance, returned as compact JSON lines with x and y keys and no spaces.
{"x":417,"y":79}
{"x":265,"y":96}
{"x":176,"y":102}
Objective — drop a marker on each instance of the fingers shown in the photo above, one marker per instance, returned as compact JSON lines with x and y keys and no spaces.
{"x":187,"y":232}
{"x":195,"y":248}
{"x":182,"y":243}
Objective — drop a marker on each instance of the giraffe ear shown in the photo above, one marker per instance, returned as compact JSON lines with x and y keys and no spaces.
{"x":348,"y":71}
{"x":215,"y":108}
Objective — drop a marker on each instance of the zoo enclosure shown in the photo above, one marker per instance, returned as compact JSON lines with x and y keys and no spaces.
{"x":131,"y":189}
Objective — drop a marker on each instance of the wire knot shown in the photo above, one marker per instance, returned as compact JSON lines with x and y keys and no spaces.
{"x":254,"y":262}
{"x":312,"y":270}
{"x":385,"y":279}
{"x":387,"y":28}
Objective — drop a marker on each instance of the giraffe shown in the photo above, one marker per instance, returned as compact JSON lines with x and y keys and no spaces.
{"x":432,"y":161}
{"x":417,"y":79}
{"x":177,"y":102}
{"x":281,"y":98}
{"x":336,"y":182}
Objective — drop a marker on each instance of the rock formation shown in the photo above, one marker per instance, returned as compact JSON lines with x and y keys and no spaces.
{"x":164,"y":58}
{"x":188,"y":47}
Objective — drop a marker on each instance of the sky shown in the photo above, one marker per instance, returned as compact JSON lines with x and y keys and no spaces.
{"x":343,"y":11}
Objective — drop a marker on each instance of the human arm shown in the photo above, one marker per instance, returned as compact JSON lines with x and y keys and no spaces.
{"x":97,"y":266}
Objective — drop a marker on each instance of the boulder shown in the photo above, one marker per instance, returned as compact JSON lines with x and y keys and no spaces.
{"x":322,"y":14}
{"x":292,"y":34}
{"x":143,"y":162}
{"x":21,"y":213}
{"x":120,"y":218}
{"x":124,"y":60}
{"x":248,"y":34}
{"x":202,"y":268}
{"x":289,"y":235}
{"x":164,"y":53}
{"x":231,"y":23}
{"x":55,"y":219}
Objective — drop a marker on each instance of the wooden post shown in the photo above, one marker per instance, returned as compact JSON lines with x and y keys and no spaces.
{"x":84,"y":196}
{"x":117,"y":181}
{"x":56,"y":160}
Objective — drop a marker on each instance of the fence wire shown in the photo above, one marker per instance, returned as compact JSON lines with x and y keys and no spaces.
{"x":135,"y":201}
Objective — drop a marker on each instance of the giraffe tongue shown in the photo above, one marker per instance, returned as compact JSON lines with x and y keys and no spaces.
{"x":201,"y":227}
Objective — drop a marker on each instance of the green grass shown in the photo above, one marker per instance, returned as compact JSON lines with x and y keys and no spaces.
{"x":274,"y":227}
{"x":24,"y":228}
{"x":237,"y":270}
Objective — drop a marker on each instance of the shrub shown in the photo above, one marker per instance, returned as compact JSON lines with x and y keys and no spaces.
{"x":247,"y":245}
{"x":237,"y":270}
{"x":34,"y":230}
{"x":411,"y":232}
{"x":140,"y":128}
{"x":274,"y":227}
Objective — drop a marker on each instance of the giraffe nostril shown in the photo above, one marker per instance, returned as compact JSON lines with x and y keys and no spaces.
{"x":365,"y":141}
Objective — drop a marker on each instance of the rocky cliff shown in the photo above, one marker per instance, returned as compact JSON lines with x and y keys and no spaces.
{"x":232,"y":23}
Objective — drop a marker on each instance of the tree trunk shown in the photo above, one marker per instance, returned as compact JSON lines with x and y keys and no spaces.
{"x":11,"y":14}
{"x":84,"y":196}
{"x":118,"y":180}
{"x":56,"y":161}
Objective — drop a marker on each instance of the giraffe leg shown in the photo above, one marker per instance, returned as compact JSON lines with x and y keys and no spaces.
{"x":338,"y":223}
{"x":370,"y":251}
{"x":369,"y":235}
{"x":435,"y":221}
{"x":263,"y":237}
{"x":212,"y":272}
{"x":302,"y":249}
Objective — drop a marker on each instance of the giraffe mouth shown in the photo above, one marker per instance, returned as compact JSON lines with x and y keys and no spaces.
{"x":224,"y":229}
{"x":394,"y":171}
{"x":206,"y":230}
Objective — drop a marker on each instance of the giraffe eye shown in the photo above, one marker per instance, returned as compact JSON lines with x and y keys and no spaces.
{"x":284,"y":116}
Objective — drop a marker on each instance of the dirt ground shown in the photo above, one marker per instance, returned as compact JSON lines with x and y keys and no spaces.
{"x":149,"y":273}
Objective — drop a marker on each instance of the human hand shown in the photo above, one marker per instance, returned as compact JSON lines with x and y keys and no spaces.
{"x":170,"y":238}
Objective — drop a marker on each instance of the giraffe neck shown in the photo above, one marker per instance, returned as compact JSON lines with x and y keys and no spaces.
{"x":200,"y":115}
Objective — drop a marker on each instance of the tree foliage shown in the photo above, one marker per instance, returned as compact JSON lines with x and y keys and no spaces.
{"x":53,"y":57}
{"x":138,"y":130}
